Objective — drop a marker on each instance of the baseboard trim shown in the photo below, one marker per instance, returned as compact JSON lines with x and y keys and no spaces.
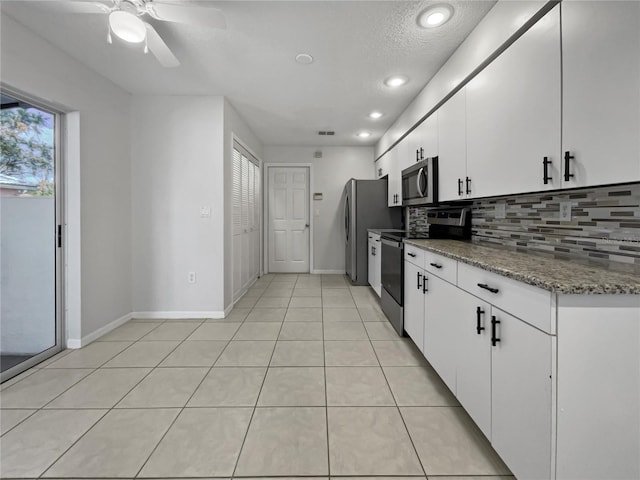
{"x":87,"y":339}
{"x":328,"y":272}
{"x":177,"y":315}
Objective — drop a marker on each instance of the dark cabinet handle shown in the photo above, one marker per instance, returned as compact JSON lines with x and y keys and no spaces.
{"x":412,"y":255}
{"x":435,"y":265}
{"x":417,"y":155}
{"x":379,"y":172}
{"x":373,"y":251}
{"x":479,"y":313}
{"x":468,"y":185}
{"x":459,"y":186}
{"x":567,"y":158}
{"x":419,"y":284}
{"x":424,"y":284}
{"x":421,"y":153}
{"x":494,"y":338}
{"x":545,"y":177}
{"x":487,"y":287}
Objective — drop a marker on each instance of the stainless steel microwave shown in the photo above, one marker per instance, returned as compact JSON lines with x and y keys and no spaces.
{"x":420,"y":183}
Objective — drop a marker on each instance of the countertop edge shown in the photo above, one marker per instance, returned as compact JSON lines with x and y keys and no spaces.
{"x":614,"y":288}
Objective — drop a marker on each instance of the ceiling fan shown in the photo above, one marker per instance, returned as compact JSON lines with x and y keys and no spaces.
{"x":126,"y":20}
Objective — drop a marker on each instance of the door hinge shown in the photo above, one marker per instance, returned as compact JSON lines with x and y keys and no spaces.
{"x":59,"y":236}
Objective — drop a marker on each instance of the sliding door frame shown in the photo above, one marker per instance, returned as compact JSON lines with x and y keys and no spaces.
{"x":58,"y":235}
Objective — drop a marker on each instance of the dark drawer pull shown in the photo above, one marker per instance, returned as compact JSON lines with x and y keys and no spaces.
{"x":435,"y":265}
{"x":411,"y":254}
{"x":487,"y":287}
{"x":494,"y":338}
{"x":479,"y":313}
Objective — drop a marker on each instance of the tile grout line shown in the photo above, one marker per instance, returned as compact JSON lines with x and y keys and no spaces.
{"x":326,"y":395}
{"x":113,"y":407}
{"x":192,"y":393}
{"x":397,"y":407}
{"x":264,"y":379}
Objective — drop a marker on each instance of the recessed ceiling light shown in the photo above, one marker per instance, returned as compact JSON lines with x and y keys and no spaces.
{"x":435,"y":16}
{"x":375,"y":115}
{"x":304,"y":58}
{"x":396,"y":81}
{"x":364,"y":134}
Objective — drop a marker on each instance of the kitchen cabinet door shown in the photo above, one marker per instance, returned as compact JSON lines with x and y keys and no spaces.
{"x":513,"y":115}
{"x":371,"y":263}
{"x":427,"y":137}
{"x":452,"y":148}
{"x":382,"y":166}
{"x":473,"y":381}
{"x":440,"y":328}
{"x":414,"y":304}
{"x":601,"y":93}
{"x":394,"y":180}
{"x":521,"y":397}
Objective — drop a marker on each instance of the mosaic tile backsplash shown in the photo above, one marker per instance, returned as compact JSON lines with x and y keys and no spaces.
{"x":604,"y":228}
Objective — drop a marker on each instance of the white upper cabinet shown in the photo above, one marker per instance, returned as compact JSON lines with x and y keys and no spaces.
{"x":394,"y":186}
{"x":601,"y":91}
{"x":427,"y":138}
{"x":452,"y":148}
{"x":513,"y":115}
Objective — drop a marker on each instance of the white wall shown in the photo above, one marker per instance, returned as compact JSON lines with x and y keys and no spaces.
{"x":330,"y":174}
{"x":32,"y":65}
{"x":177,"y":167}
{"x":502,"y":21}
{"x":181,"y":154}
{"x":27,"y":287}
{"x":234,"y":127}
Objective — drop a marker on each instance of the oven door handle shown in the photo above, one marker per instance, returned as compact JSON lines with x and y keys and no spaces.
{"x":391,"y":243}
{"x":419,"y":182}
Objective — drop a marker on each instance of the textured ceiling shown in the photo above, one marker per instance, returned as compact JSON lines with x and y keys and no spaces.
{"x":355,"y":46}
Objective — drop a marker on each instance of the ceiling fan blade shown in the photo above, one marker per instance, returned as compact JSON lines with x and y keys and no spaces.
{"x":160,"y":49}
{"x":190,"y":13}
{"x":77,"y":6}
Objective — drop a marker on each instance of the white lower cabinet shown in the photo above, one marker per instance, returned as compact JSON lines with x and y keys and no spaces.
{"x":414,"y":303}
{"x":374,"y":264}
{"x":473,"y":386}
{"x":554,"y":386}
{"x":521,"y":381}
{"x":441,"y":329}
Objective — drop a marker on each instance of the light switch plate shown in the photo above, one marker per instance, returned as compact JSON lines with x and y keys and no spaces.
{"x":501,"y":210}
{"x":565,"y":211}
{"x":205,"y":212}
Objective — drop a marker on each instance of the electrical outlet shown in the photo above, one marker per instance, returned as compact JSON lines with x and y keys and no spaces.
{"x":192,"y":277}
{"x":565,"y":211}
{"x":205,"y":212}
{"x":501,"y":210}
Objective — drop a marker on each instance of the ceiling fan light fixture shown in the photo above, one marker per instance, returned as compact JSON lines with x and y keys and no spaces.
{"x":127,"y":26}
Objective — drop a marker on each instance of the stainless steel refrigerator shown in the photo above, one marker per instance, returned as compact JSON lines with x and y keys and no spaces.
{"x":365,"y":207}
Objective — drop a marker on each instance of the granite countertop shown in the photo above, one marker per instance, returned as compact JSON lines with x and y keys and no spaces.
{"x":380,"y":231}
{"x":559,"y":276}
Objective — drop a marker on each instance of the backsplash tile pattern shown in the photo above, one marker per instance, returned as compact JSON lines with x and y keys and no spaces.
{"x":604,"y":227}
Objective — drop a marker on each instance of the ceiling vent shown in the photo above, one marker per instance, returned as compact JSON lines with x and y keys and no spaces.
{"x":326,"y":132}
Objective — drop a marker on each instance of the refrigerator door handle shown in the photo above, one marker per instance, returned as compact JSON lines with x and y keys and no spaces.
{"x":346,"y":219}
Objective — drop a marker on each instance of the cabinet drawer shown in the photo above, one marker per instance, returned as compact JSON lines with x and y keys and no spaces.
{"x":374,"y":237}
{"x":443,"y":267}
{"x":529,"y":303}
{"x":414,"y":255}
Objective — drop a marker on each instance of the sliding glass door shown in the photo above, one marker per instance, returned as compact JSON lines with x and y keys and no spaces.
{"x":30,"y":234}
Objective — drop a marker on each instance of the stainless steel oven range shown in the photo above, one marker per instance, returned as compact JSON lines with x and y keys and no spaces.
{"x":454,"y":223}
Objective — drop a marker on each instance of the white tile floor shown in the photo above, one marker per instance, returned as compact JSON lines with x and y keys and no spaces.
{"x":304,"y":378}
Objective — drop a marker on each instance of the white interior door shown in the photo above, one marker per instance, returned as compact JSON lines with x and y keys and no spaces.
{"x":288,"y":219}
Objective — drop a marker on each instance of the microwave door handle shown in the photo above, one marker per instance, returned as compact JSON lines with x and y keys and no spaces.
{"x":419,"y":182}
